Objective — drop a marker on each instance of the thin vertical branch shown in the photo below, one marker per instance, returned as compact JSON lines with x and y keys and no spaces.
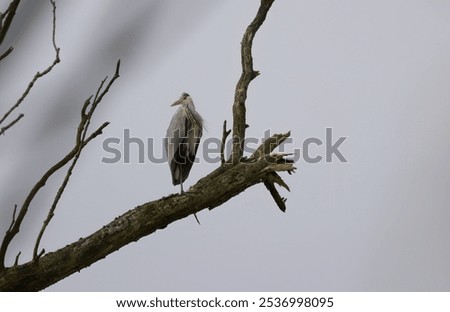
{"x":225,"y":135}
{"x":9,"y":16}
{"x":248,"y":74}
{"x":38,"y":74}
{"x":13,"y":217}
{"x":209,"y":192}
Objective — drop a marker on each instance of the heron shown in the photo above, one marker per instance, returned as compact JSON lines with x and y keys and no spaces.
{"x":182,"y":139}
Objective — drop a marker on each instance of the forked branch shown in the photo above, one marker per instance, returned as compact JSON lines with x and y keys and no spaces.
{"x":81,"y":141}
{"x":248,"y":74}
{"x":6,"y":53}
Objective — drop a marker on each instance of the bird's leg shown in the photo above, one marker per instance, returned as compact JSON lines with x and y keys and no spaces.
{"x":182,"y":192}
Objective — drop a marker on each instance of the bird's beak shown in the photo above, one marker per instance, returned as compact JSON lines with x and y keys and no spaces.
{"x":177,"y":102}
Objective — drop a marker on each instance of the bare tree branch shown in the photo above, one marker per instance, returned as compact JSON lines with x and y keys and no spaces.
{"x":16,"y":261}
{"x":80,"y":139}
{"x":280,"y":201}
{"x":61,"y":189}
{"x":211,"y":191}
{"x":80,"y":143}
{"x":4,"y":26}
{"x":38,"y":74}
{"x":8,"y":16}
{"x":268,"y":145}
{"x":225,"y":135}
{"x":227,"y":181}
{"x":248,"y":74}
{"x":12,"y":123}
{"x":54,"y":29}
{"x":269,"y":182}
{"x":7,"y":52}
{"x":13,"y":217}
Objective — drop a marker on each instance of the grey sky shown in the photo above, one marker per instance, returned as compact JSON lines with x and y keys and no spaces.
{"x":377,"y":72}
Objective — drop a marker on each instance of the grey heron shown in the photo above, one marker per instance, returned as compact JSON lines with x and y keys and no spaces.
{"x":182,"y":139}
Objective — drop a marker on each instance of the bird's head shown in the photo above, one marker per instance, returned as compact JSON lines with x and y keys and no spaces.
{"x":184,"y":99}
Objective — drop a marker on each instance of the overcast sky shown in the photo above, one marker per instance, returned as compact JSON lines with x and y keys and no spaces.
{"x":375,"y":72}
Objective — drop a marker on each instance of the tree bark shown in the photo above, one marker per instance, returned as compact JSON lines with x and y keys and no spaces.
{"x":211,"y":191}
{"x":248,"y":74}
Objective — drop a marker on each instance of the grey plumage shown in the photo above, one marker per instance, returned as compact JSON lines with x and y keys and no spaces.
{"x":182,"y":139}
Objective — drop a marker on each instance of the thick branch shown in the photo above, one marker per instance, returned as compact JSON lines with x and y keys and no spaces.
{"x":9,"y":235}
{"x":211,"y":191}
{"x":248,"y":74}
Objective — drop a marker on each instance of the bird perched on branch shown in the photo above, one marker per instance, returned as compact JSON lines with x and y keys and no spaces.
{"x":182,"y":139}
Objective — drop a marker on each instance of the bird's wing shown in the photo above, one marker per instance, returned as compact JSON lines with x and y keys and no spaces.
{"x":182,"y":142}
{"x":175,"y":134}
{"x":175,"y":145}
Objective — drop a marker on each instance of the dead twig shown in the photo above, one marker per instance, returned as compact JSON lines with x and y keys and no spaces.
{"x":211,"y":191}
{"x":16,"y":261}
{"x":13,"y":218}
{"x":7,"y":52}
{"x":81,"y":142}
{"x":61,"y":189}
{"x":12,"y":123}
{"x":225,"y":135}
{"x":269,"y":145}
{"x":38,"y":74}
